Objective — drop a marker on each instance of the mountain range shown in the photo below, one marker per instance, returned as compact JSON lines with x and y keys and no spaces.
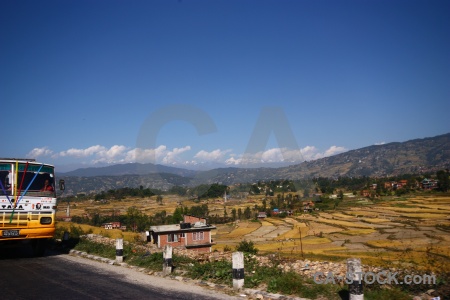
{"x":416,"y":156}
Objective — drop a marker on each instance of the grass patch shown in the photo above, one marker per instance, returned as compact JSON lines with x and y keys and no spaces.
{"x":343,"y":223}
{"x":291,"y":283}
{"x":358,"y":231}
{"x":243,"y":229}
{"x":374,"y":220}
{"x":384,"y":244}
{"x":110,"y":233}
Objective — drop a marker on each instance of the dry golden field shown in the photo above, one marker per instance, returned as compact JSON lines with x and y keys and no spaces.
{"x":400,"y":230}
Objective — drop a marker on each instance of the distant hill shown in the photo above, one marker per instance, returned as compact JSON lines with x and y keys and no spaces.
{"x":129,"y":169}
{"x":410,"y":157}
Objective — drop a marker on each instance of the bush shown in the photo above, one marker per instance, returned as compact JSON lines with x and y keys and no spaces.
{"x":247,"y":247}
{"x":219,"y":272}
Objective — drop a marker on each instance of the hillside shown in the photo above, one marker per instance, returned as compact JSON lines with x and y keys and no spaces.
{"x":129,"y":169}
{"x":411,"y":157}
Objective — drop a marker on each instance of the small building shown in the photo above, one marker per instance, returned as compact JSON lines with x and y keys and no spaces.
{"x":365,"y":193}
{"x":308,"y":206}
{"x":262,"y":215}
{"x":429,"y":184}
{"x":402,"y":183}
{"x":388,"y":185}
{"x":111,"y":225}
{"x":193,"y":233}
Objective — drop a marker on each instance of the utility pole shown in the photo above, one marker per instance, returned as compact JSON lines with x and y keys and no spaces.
{"x":301,"y":244}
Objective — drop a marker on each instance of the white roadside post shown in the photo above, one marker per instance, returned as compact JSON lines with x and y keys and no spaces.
{"x":238,"y":270}
{"x":354,"y":271}
{"x":167,"y":255}
{"x":119,"y":250}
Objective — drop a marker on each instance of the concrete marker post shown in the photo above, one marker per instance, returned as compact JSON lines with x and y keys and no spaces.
{"x":354,"y":271}
{"x":65,"y":238}
{"x":119,"y":250}
{"x":167,"y":255}
{"x":238,"y":270}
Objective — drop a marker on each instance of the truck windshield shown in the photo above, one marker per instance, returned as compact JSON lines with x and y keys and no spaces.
{"x":5,"y":187}
{"x":33,"y":180}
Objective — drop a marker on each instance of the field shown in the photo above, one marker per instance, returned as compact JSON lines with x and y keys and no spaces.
{"x":413,"y":230}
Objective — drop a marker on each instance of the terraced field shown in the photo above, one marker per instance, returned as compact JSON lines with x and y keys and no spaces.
{"x":402,"y":230}
{"x":415,"y":229}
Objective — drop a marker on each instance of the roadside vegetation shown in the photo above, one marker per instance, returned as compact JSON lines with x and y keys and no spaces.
{"x":268,"y":277}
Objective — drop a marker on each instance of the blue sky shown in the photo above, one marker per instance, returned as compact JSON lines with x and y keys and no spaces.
{"x":219,"y":83}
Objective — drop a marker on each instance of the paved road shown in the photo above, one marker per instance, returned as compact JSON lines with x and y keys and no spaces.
{"x":60,"y":276}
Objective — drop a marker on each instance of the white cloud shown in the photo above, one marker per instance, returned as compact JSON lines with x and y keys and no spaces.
{"x":146,"y":155}
{"x":333,"y":150}
{"x":82,"y":152}
{"x":36,"y":152}
{"x":213,"y":156}
{"x":233,"y":161}
{"x":310,"y":153}
{"x":116,"y":151}
{"x":272,"y":155}
{"x":276,"y":155}
{"x":123,"y":154}
{"x":176,"y":156}
{"x":172,"y":157}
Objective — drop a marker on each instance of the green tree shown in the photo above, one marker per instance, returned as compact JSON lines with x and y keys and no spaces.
{"x":134,"y":218}
{"x":234,"y":214}
{"x":443,"y":180}
{"x":247,"y":246}
{"x":177,"y":216}
{"x":247,"y":213}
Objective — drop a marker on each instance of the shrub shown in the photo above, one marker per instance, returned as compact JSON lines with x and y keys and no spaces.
{"x":247,"y":247}
{"x":220,"y":271}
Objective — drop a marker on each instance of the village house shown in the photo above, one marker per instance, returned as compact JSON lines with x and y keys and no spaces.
{"x":193,"y":233}
{"x":402,"y":183}
{"x":389,"y":185}
{"x":308,"y":206}
{"x":112,"y":225}
{"x":429,"y":184}
{"x":365,"y":193}
{"x":262,"y":215}
{"x":277,"y":211}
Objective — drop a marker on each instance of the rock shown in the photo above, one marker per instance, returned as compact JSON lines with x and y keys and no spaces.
{"x":429,"y":292}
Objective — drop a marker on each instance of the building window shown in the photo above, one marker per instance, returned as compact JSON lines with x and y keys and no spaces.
{"x":197,"y":236}
{"x":172,"y":237}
